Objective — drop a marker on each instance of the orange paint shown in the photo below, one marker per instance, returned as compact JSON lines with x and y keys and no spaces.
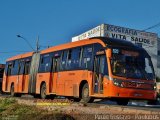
{"x":67,"y":83}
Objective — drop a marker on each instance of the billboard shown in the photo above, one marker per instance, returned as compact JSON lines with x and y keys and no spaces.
{"x":112,"y":31}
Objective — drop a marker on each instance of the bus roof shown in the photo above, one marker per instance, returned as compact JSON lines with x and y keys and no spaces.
{"x":73,"y":44}
{"x":58,"y":47}
{"x":119,"y":43}
{"x":104,"y":41}
{"x":20,"y":56}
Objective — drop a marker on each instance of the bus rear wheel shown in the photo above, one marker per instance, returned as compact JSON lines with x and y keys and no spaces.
{"x":76,"y":99}
{"x":122,"y":102}
{"x":43,"y":91}
{"x":12,"y":93}
{"x":85,"y":94}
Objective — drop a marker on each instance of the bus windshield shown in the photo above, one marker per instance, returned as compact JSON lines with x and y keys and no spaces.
{"x":132,"y":67}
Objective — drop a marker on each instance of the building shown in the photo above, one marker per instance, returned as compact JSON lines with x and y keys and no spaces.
{"x":147,"y":40}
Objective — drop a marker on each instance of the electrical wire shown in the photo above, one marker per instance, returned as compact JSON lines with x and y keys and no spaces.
{"x":8,"y":52}
{"x":151,"y":27}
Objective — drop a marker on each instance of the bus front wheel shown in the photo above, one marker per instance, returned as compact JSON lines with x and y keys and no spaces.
{"x":152,"y":102}
{"x":122,"y":102}
{"x":85,"y":94}
{"x":43,"y":91}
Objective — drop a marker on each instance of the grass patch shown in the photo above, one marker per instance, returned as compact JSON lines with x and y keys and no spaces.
{"x":7,"y":101}
{"x":11,"y":110}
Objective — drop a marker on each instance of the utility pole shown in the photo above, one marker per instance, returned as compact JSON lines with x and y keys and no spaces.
{"x":37,"y":45}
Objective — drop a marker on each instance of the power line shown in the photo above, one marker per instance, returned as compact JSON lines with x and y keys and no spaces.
{"x":151,"y":27}
{"x":44,"y":46}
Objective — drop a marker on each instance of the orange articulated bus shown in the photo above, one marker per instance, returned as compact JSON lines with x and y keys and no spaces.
{"x":87,"y":69}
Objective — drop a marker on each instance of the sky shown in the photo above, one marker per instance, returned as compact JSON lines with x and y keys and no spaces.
{"x":57,"y":21}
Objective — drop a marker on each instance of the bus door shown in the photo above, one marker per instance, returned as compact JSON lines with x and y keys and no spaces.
{"x":8,"y":68}
{"x":54,"y":73}
{"x":33,"y":72}
{"x":23,"y":73}
{"x":99,"y":68}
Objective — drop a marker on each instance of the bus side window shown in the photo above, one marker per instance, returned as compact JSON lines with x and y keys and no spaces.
{"x":87,"y":58}
{"x":55,"y":61}
{"x":103,"y":61}
{"x":104,"y":67}
{"x":69,"y":60}
{"x":45,"y":63}
{"x":12,"y":68}
{"x":21,"y":67}
{"x":6,"y":68}
{"x":76,"y":54}
{"x":15,"y":68}
{"x":97,"y":47}
{"x":27,"y":67}
{"x":9,"y":70}
{"x":63,"y":60}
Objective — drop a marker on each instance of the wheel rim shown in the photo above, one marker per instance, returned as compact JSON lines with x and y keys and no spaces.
{"x":85,"y":92}
{"x":43,"y":93}
{"x":12,"y":91}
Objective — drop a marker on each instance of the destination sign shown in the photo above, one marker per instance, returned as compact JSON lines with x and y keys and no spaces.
{"x":130,"y":53}
{"x":100,"y":52}
{"x":124,"y":52}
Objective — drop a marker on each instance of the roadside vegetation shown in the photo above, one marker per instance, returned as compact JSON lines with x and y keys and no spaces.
{"x":11,"y":110}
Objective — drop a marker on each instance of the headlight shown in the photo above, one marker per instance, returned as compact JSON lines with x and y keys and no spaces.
{"x":117,"y":82}
{"x":155,"y":86}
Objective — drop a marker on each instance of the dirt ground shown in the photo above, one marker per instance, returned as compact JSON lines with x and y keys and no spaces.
{"x":61,"y":109}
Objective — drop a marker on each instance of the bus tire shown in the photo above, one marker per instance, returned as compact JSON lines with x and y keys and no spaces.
{"x":36,"y":96}
{"x":73,"y":99}
{"x":43,"y":91}
{"x":76,"y":99}
{"x":85,"y":94}
{"x":152,"y":102}
{"x":122,"y":102}
{"x":12,"y":93}
{"x":18,"y":94}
